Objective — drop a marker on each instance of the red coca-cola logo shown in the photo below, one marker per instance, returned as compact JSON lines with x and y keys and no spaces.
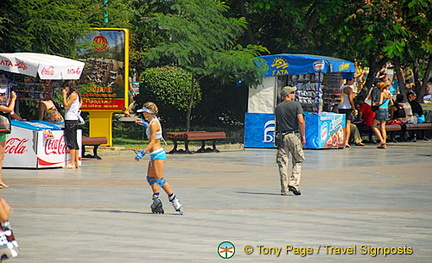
{"x":16,"y":146}
{"x":55,"y":146}
{"x":21,"y":65}
{"x":72,"y":71}
{"x":48,"y":70}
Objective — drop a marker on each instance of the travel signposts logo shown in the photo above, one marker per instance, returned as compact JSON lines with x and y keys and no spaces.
{"x":226,"y":250}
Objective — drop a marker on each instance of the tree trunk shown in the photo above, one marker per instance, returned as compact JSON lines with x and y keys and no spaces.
{"x":425,"y":81}
{"x":400,"y":77}
{"x":242,"y":9}
{"x":374,"y":67}
{"x":417,"y":86}
{"x":189,"y":111}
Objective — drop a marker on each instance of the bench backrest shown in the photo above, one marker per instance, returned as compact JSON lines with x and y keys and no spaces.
{"x":195,"y":135}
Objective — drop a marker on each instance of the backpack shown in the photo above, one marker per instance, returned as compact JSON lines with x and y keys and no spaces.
{"x":5,"y":124}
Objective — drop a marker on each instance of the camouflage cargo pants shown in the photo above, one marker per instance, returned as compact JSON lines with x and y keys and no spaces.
{"x":291,"y":143}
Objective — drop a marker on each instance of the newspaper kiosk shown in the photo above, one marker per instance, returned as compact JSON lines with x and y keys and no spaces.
{"x":36,"y":144}
{"x":318,"y":80}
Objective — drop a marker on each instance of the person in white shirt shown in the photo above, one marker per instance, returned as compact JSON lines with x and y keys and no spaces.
{"x":347,"y":107}
{"x":72,"y":104}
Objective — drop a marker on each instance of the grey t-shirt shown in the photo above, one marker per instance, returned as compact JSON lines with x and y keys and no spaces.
{"x":375,"y":96}
{"x":286,"y":116}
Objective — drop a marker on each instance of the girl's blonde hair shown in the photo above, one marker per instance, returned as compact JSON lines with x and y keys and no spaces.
{"x":151,"y":106}
{"x":381,"y":85}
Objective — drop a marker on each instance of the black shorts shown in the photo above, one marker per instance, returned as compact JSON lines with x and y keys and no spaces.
{"x":70,"y":132}
{"x":348,"y":113}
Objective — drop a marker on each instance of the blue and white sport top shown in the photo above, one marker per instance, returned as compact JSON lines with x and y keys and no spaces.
{"x":158,"y":133}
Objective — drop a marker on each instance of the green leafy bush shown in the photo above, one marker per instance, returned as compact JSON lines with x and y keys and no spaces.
{"x":170,"y":88}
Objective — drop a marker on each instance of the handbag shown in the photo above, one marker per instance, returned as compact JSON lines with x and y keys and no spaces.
{"x":81,"y":120}
{"x":420,"y":119}
{"x":5,"y":124}
{"x":8,"y":245}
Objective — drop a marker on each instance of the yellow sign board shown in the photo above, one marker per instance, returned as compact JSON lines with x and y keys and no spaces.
{"x":105,"y":79}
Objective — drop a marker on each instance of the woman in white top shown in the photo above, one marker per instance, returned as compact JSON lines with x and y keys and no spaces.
{"x":72,"y":104}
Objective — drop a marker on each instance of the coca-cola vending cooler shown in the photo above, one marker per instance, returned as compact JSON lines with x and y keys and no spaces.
{"x":37,"y":144}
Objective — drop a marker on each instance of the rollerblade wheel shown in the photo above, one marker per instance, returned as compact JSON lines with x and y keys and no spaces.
{"x":156,"y":207}
{"x":157,"y":210}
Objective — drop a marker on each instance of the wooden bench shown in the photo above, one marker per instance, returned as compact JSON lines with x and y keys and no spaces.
{"x":422,"y":127}
{"x":95,"y":142}
{"x":202,"y":136}
{"x":392,"y":130}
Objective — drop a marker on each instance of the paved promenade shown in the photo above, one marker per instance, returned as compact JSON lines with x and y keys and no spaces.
{"x":356,"y":205}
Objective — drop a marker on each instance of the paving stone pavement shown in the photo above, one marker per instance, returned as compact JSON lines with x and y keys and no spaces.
{"x":355,"y":203}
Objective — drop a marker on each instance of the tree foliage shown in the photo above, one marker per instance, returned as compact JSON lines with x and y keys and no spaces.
{"x":199,"y":38}
{"x":396,"y":31}
{"x":372,"y":31}
{"x":53,"y":26}
{"x":216,"y":41}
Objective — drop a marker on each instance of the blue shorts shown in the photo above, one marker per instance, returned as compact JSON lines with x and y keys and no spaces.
{"x":158,"y":155}
{"x":382,"y":115}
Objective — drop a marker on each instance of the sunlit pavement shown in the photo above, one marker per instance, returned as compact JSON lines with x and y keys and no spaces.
{"x":357,"y":205}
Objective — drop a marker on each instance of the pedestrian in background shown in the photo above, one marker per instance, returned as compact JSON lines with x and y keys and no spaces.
{"x":5,"y":112}
{"x":72,"y":104}
{"x":48,"y":110}
{"x":382,"y":115}
{"x":5,"y":210}
{"x":347,"y":107}
{"x":290,"y":138}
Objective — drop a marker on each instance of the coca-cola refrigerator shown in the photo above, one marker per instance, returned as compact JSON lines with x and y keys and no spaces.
{"x":37,"y":144}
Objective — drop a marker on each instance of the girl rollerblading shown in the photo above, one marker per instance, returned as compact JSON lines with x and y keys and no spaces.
{"x":155,"y":171}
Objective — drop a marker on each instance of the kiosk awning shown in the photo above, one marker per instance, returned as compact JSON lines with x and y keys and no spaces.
{"x":47,"y":66}
{"x":296,"y":64}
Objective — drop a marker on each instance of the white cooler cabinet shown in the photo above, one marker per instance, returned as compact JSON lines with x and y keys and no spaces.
{"x":27,"y":147}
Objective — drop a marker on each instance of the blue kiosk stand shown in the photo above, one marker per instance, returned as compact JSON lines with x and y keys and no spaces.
{"x":318,"y":79}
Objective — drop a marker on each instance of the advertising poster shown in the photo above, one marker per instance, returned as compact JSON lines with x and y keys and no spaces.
{"x":20,"y":149}
{"x":324,"y":130}
{"x":52,"y":152}
{"x":105,"y":52}
{"x":259,"y":130}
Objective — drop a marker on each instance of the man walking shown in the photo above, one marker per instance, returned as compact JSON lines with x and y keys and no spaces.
{"x":290,"y":138}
